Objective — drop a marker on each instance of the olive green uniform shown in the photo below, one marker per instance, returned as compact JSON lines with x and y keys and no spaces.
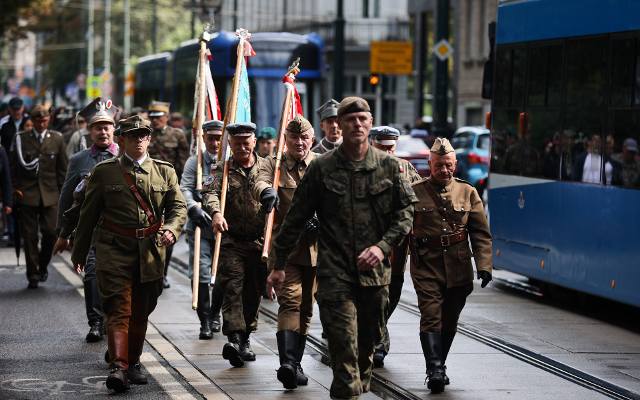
{"x":358,"y":204}
{"x":443,"y":275}
{"x":242,"y":273}
{"x":295,"y":296}
{"x":40,"y":190}
{"x":129,"y":269}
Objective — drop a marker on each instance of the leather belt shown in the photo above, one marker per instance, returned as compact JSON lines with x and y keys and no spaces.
{"x":442,"y":241}
{"x":138,"y":233}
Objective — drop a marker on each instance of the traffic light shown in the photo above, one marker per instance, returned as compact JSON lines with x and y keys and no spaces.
{"x":374,"y":79}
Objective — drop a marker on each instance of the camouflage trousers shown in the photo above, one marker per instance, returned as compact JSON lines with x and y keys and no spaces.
{"x":352,"y":317}
{"x":242,"y":277}
{"x":295,"y":298}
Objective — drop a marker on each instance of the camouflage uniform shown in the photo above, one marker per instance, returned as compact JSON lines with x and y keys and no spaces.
{"x":375,"y":205}
{"x":170,"y":145}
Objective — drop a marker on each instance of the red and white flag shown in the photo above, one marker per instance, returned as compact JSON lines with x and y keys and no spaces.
{"x":296,"y":105}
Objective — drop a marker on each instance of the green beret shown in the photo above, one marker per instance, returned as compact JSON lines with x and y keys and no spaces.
{"x":328,"y":110}
{"x":241,"y":129}
{"x":299,"y":124}
{"x":134,"y":125}
{"x":267,"y":133}
{"x":352,"y":104}
{"x":441,"y":146}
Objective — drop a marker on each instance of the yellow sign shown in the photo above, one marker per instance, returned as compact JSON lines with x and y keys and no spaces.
{"x":94,"y":87}
{"x":391,"y":58}
{"x":442,"y":49}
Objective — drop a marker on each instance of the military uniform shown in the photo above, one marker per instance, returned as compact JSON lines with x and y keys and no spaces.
{"x":446,"y":219}
{"x":296,"y":294}
{"x":376,"y":208}
{"x":79,"y":140}
{"x":242,"y":273}
{"x":209,"y":304}
{"x":327,"y":110}
{"x":129,"y":258}
{"x":39,"y":164}
{"x":267,"y":133}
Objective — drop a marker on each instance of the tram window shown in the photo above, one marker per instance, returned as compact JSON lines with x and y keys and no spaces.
{"x":622,"y":71}
{"x":586,"y":71}
{"x":622,"y":147}
{"x":537,"y":76}
{"x":519,"y":73}
{"x":637,"y":76}
{"x":503,"y":134}
{"x":502,"y":86}
{"x":554,"y":75}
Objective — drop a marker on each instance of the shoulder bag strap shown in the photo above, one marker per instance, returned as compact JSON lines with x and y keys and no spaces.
{"x":136,"y":194}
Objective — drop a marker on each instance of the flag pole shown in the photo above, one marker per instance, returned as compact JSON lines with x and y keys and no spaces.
{"x":198,"y":120}
{"x":289,"y":82}
{"x":229,"y":118}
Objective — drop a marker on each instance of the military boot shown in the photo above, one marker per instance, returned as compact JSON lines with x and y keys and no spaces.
{"x":137,"y":333}
{"x":92,"y":305}
{"x":246,"y":352}
{"x":214,"y":323}
{"x":231,"y":350}
{"x":447,"y":340}
{"x":119,"y":347}
{"x":287,"y":351}
{"x":204,"y":312}
{"x":432,"y":349}
{"x":135,"y":374}
{"x":216,"y":306}
{"x":96,"y":331}
{"x":302,"y":378}
{"x":378,"y":357}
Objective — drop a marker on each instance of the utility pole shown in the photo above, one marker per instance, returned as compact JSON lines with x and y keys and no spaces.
{"x":193,"y":18}
{"x":126,"y":55}
{"x":154,"y":25}
{"x":441,"y":72}
{"x":235,"y":15}
{"x":90,"y":44}
{"x":420,"y":51}
{"x":338,"y":52}
{"x":107,"y":36}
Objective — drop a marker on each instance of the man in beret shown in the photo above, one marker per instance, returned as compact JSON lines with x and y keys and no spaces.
{"x":266,"y":141}
{"x":39,"y":164}
{"x":448,"y":216}
{"x":135,"y":206}
{"x":294,"y":282}
{"x":209,"y":304}
{"x":375,"y":206}
{"x":12,"y":123}
{"x":167,"y":144}
{"x":101,"y":116}
{"x":242,"y":273}
{"x":331,"y":130}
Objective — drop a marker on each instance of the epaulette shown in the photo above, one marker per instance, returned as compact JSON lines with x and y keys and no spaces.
{"x":54,"y":133}
{"x":108,"y":161}
{"x":420,"y":181}
{"x":463,"y":181}
{"x":162,"y":162}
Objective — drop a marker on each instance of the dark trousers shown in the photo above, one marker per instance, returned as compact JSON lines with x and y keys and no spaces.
{"x":34,"y":221}
{"x":92,"y":301}
{"x":395,"y":292}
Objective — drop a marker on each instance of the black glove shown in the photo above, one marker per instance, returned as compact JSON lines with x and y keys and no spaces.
{"x":269,"y":199}
{"x":197,"y":196}
{"x":312,"y":225}
{"x":485,"y":276}
{"x":200,"y":217}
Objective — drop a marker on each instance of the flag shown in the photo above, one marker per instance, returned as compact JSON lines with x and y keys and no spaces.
{"x":296,"y":104}
{"x":243,"y":109}
{"x":212,"y":104}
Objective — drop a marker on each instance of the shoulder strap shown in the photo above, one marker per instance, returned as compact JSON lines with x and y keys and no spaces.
{"x":136,"y":194}
{"x":440,"y":204}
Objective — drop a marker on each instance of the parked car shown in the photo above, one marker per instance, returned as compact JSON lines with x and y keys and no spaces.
{"x":472,"y":144}
{"x":415,"y":151}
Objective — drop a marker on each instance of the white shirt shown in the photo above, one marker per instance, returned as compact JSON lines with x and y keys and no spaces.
{"x":137,"y":162}
{"x":591,"y":169}
{"x":40,"y":135}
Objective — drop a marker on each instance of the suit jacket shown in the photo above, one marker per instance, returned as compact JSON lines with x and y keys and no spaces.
{"x":578,"y":170}
{"x":40,"y":186}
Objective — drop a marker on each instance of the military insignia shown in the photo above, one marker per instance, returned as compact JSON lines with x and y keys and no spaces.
{"x":401,"y":169}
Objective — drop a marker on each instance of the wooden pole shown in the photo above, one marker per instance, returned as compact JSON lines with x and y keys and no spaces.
{"x":284,"y":120}
{"x":198,"y":120}
{"x":229,"y":118}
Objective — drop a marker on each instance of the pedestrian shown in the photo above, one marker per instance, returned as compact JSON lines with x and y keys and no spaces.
{"x":295,"y":284}
{"x":448,"y":216}
{"x":242,"y":273}
{"x":364,"y":207}
{"x":385,"y":138}
{"x":209,"y":303}
{"x":13,"y":123}
{"x":170,"y":145}
{"x":329,"y":126}
{"x":101,"y":116}
{"x":135,"y":205}
{"x":266,"y":141}
{"x":39,"y":164}
{"x":80,"y":139}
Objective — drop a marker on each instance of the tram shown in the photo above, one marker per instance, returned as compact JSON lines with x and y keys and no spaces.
{"x":564,"y":185}
{"x":275,"y":51}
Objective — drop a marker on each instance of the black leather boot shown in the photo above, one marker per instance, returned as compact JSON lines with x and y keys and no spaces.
{"x":96,"y":331}
{"x":204,"y":312}
{"x":378,"y":358}
{"x":246,"y":352}
{"x":91,"y":304}
{"x":447,"y":340}
{"x":432,"y":349}
{"x":288,"y":354}
{"x":231,"y":350}
{"x":214,"y":323}
{"x":302,"y":378}
{"x":135,"y":374}
{"x":216,"y":306}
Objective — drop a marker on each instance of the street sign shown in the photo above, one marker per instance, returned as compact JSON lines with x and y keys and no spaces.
{"x":442,"y":50}
{"x":94,"y":84}
{"x":391,"y":58}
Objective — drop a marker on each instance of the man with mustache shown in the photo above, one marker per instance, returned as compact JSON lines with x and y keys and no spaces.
{"x":328,"y":114}
{"x":448,"y":215}
{"x":101,"y":116}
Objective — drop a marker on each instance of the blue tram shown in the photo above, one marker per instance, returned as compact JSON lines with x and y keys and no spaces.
{"x":275,"y":51}
{"x":564,"y":183}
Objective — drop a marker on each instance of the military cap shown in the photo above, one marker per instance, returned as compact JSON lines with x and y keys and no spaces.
{"x":299,"y":124}
{"x":134,"y":125}
{"x":267,"y":133}
{"x":328,"y":110}
{"x":352,"y":104}
{"x":100,"y":111}
{"x":213,"y":126}
{"x":441,"y":146}
{"x":158,"y":108}
{"x":39,"y":111}
{"x":16,"y":103}
{"x":385,"y":135}
{"x":241,"y":129}
{"x":176,"y":116}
